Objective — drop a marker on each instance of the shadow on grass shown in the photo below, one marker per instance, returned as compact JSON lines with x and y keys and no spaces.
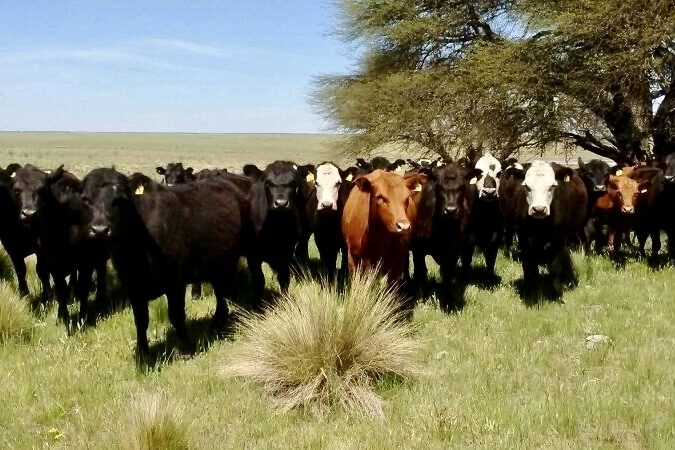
{"x":482,"y":278}
{"x":541,"y":290}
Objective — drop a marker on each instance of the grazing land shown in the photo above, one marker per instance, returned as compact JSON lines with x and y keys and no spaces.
{"x":500,"y":373}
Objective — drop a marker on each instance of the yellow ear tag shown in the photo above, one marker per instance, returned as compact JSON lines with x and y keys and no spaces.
{"x":399,"y":170}
{"x":139,"y":190}
{"x":350,"y":177}
{"x":439,"y":163}
{"x":418,"y":188}
{"x":619,"y":173}
{"x":643,"y":191}
{"x":309,"y":177}
{"x":567,"y":178}
{"x":474,"y":180}
{"x":13,"y":175}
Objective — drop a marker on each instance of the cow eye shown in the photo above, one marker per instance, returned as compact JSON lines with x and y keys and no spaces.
{"x":380,"y":198}
{"x":86,"y":201}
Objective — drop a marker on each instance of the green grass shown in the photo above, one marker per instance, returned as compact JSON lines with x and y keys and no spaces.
{"x":498,"y":374}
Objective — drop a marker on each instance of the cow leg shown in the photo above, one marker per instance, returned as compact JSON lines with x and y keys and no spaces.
{"x":447,"y":298}
{"x":257,"y":281}
{"x":419,"y":269}
{"x":467,"y":256}
{"x":101,"y":286}
{"x":671,"y":244}
{"x":176,"y":302}
{"x":20,"y":269}
{"x":224,"y":287}
{"x":43,"y":274}
{"x":141,"y":320}
{"x":561,"y":271}
{"x":491,"y":258}
{"x":62,"y":295}
{"x":301,"y":251}
{"x":656,"y":243}
{"x":328,"y":258}
{"x":283,"y":276}
{"x":196,"y":291}
{"x":82,"y":288}
{"x":530,"y":272}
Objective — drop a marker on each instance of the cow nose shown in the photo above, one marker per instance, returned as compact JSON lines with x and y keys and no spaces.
{"x":627,"y":209}
{"x":27,"y":213}
{"x":403,"y":225}
{"x":99,"y":230}
{"x":539,"y":211}
{"x":599,"y":188}
{"x":279,"y":203}
{"x":450,"y":210}
{"x":489,"y":192}
{"x":669,"y":178}
{"x":326,"y":204}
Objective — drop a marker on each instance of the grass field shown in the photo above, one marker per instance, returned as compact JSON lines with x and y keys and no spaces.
{"x":498,"y":374}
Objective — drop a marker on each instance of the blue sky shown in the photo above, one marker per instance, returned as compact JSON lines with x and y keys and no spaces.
{"x":186,"y":66}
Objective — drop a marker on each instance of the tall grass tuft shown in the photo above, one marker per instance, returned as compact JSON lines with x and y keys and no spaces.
{"x":16,"y":321}
{"x":155,"y":423}
{"x":319,"y":348}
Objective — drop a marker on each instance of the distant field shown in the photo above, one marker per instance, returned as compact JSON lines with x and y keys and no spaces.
{"x":81,"y":152}
{"x":502,"y":373}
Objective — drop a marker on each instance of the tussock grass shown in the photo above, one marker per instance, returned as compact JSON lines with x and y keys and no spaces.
{"x":319,"y":348}
{"x":154,"y":424}
{"x":15,"y":320}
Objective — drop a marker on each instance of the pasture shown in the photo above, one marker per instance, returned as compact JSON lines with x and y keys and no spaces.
{"x":500,"y":373}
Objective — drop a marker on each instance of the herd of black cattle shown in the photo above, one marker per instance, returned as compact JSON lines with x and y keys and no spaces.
{"x":195,"y":227}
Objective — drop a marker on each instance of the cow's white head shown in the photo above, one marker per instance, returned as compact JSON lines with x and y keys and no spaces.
{"x":540,"y":185}
{"x":488,"y":183}
{"x":327,"y":183}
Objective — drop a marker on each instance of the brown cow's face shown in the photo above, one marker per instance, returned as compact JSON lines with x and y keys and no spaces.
{"x":624,"y":193}
{"x":391,"y":198}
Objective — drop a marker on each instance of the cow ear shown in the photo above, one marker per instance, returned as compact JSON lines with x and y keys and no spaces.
{"x":189,"y":170}
{"x":564,"y":174}
{"x":415,"y":182}
{"x":360,"y":162}
{"x":473,"y":175}
{"x":13,"y":168}
{"x":581,"y":164}
{"x":160,"y":170}
{"x":363,"y":184}
{"x":55,"y":175}
{"x":252,"y":171}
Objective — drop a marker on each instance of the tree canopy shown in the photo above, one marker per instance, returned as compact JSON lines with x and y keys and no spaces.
{"x":506,"y":75}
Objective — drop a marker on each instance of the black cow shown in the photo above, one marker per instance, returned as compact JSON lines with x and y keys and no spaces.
{"x":441,"y":226}
{"x":379,"y":162}
{"x":18,"y":238}
{"x":175,"y":173}
{"x":595,"y":175}
{"x":52,"y":203}
{"x":162,"y":239}
{"x":279,"y":219}
{"x":513,"y":174}
{"x":549,"y":208}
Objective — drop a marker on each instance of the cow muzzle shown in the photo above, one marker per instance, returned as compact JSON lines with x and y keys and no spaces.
{"x":402,"y":226}
{"x":669,"y":179}
{"x":627,"y":209}
{"x":280,"y":203}
{"x":488,"y":193}
{"x":451,"y":211}
{"x":99,"y":231}
{"x":327,"y":205}
{"x":539,"y":212}
{"x":28,"y":213}
{"x":599,"y":188}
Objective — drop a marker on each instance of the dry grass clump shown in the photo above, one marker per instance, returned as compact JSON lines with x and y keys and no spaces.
{"x":319,"y":348}
{"x":155,"y":423}
{"x":16,"y":322}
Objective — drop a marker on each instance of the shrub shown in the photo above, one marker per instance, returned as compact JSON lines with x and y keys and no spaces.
{"x":16,"y":321}
{"x":155,"y":423}
{"x":319,"y":348}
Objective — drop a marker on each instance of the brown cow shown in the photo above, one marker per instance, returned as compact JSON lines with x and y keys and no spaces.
{"x":618,"y":205}
{"x":377,"y":222}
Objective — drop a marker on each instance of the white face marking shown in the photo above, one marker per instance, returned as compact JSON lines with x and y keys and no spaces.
{"x":327,"y":186}
{"x":491,"y":168}
{"x":540,"y":184}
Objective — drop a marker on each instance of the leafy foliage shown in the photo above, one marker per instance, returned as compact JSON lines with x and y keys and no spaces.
{"x":511,"y":74}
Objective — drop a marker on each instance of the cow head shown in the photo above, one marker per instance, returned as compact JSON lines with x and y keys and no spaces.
{"x":595,"y":174}
{"x":28,"y":181}
{"x":105,"y":192}
{"x":175,"y":173}
{"x":450,"y":189}
{"x":669,"y":169}
{"x":624,"y":192}
{"x":327,"y":183}
{"x":391,"y":200}
{"x":540,"y":185}
{"x":488,"y":181}
{"x":282,"y":185}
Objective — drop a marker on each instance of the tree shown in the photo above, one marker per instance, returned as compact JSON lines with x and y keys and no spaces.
{"x":449,"y":75}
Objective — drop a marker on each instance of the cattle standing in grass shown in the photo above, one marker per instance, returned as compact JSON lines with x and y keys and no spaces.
{"x":377,"y":222}
{"x":441,"y":226}
{"x":279,"y":219}
{"x":513,"y":175}
{"x":18,"y":238}
{"x":324,"y":209}
{"x":646,"y":223}
{"x":53,"y":204}
{"x":175,"y":173}
{"x":595,"y":175}
{"x":161,"y":239}
{"x":550,"y":207}
{"x":485,"y":221}
{"x":380,"y":163}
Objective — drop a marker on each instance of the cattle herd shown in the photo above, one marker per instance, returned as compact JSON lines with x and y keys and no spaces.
{"x":195,"y":227}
